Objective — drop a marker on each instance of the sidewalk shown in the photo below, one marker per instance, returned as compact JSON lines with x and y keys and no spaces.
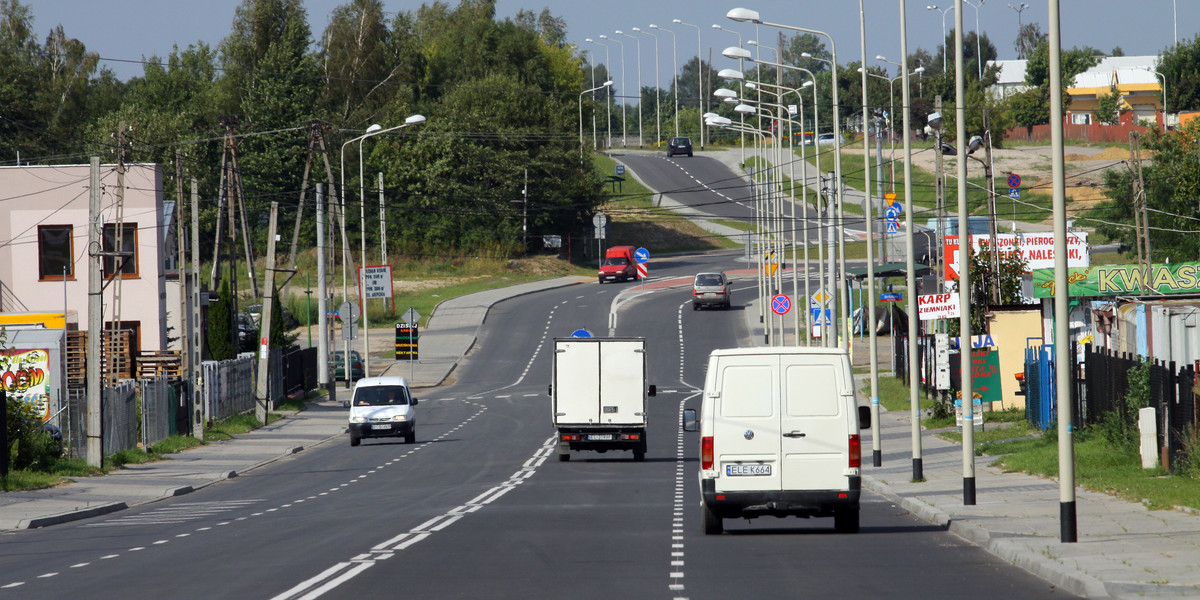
{"x":447,"y":338}
{"x":1124,"y":550}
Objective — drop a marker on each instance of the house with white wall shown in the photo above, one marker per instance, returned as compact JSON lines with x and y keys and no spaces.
{"x":44,"y":246}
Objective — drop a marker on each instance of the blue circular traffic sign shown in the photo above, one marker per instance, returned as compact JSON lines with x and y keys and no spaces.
{"x":641,"y":255}
{"x":581,"y":333}
{"x":1014,"y":180}
{"x":780,"y":304}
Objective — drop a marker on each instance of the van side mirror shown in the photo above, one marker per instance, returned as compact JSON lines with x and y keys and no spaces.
{"x":653,"y":391}
{"x":414,"y":401}
{"x":864,"y":417}
{"x":690,"y":423}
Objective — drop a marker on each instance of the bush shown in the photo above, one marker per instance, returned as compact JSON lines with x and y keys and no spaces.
{"x":30,"y":447}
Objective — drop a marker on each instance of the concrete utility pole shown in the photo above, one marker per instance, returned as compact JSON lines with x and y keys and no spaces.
{"x":918,"y":468}
{"x":92,"y":423}
{"x":197,"y":412}
{"x":964,"y":266}
{"x":868,"y":209}
{"x":263,"y":406}
{"x":323,"y":378}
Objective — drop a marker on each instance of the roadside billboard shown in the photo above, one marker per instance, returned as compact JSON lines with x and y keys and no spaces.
{"x":1036,"y":248}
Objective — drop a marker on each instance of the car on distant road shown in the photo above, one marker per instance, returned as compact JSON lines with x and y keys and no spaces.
{"x":710,"y":289}
{"x":826,"y":139}
{"x":679,"y":145}
{"x":337,"y":365}
{"x":382,"y":407}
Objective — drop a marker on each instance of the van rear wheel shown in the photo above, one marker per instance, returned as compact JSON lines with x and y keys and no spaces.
{"x":712,"y":523}
{"x":354,"y":440}
{"x":846,"y":521}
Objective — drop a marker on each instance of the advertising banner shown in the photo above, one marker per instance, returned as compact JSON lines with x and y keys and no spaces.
{"x":23,"y":373}
{"x":937,"y":306}
{"x":1122,"y":280}
{"x":1036,"y":248}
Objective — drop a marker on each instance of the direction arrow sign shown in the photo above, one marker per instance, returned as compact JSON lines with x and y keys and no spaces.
{"x":892,"y":211}
{"x":780,"y":304}
{"x":641,"y":255}
{"x":581,"y":333}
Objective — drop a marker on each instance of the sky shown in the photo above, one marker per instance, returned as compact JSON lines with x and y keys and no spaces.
{"x":125,"y":31}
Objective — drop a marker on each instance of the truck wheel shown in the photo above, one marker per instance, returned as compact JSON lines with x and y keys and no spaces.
{"x":639,"y":455}
{"x":846,"y":521}
{"x":601,"y":281}
{"x":354,"y":440}
{"x":411,"y":436}
{"x":695,"y":306}
{"x":712,"y":523}
{"x":564,"y":457}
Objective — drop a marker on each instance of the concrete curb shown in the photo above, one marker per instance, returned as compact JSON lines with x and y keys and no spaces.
{"x":67,"y":517}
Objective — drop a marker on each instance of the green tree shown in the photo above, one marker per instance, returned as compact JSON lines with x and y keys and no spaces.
{"x":1180,"y":65}
{"x":1172,"y":186}
{"x":221,"y":325}
{"x":1028,"y":39}
{"x":356,"y":63}
{"x":1108,"y":108}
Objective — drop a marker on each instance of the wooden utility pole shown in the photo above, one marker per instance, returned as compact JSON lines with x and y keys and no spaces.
{"x":1139,"y":227}
{"x":316,"y":143}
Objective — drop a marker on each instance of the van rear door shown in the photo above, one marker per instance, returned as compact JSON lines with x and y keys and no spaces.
{"x":622,"y":373}
{"x":746,"y":424}
{"x":814,"y":424}
{"x":576,"y":387}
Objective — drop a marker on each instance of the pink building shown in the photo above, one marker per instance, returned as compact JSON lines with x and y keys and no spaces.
{"x":44,"y":246}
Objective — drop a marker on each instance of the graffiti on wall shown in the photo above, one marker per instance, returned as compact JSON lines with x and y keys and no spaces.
{"x":23,"y":375}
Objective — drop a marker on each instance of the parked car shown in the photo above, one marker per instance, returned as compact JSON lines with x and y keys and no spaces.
{"x":382,"y":407}
{"x":826,"y":139}
{"x":337,"y":365}
{"x":710,"y":289}
{"x":679,"y":145}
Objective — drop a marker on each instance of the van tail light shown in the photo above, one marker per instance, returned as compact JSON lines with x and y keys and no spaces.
{"x":855,"y":452}
{"x":706,"y":453}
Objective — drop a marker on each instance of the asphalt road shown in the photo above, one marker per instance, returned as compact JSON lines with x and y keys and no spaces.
{"x":479,"y":507}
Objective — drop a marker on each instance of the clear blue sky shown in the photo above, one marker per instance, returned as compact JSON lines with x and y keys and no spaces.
{"x":131,"y":29}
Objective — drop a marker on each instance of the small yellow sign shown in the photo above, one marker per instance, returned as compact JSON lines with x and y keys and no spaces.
{"x":770,"y":263}
{"x":890,"y":197}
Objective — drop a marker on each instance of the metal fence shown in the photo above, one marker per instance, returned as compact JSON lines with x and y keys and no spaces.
{"x":228,"y":388}
{"x":118,"y":416}
{"x":299,"y":371}
{"x":156,"y":410}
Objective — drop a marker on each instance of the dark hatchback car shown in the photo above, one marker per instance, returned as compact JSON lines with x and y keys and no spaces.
{"x":679,"y":145}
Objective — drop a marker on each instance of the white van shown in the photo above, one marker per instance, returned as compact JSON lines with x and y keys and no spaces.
{"x":382,"y":407}
{"x":779,"y":436}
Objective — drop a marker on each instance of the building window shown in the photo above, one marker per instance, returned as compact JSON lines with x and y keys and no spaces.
{"x":54,"y":253}
{"x":128,"y":264}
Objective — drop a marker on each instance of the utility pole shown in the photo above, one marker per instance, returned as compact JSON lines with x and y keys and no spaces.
{"x":323,"y":378}
{"x":1135,"y":166}
{"x":188,"y":351}
{"x":940,"y":193}
{"x":117,"y":258}
{"x":197,"y":411}
{"x":262,"y":407}
{"x":92,"y":424}
{"x":991,"y":194}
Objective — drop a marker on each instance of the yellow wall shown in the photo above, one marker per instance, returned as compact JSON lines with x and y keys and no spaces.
{"x":1010,"y":331}
{"x":49,"y":320}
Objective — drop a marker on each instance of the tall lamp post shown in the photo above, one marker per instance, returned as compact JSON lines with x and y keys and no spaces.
{"x":641,"y":135}
{"x":1020,"y":9}
{"x":607,"y":93}
{"x":945,"y":50}
{"x":674,"y":61}
{"x":743,"y":15}
{"x":581,"y":95}
{"x":699,"y":77}
{"x":657,"y":88}
{"x":978,"y":48}
{"x":591,"y":61}
{"x":624,"y":133}
{"x":373,"y":130}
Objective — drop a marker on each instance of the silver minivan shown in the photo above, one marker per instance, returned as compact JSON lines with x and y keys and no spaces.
{"x":779,"y":436}
{"x":382,"y":407}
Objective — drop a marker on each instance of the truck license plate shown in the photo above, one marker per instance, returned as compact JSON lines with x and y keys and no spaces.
{"x":384,"y":426}
{"x":600,"y":437}
{"x":747,"y":470}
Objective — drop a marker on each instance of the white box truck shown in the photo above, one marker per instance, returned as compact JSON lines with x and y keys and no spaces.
{"x":598,"y":395}
{"x":779,"y":436}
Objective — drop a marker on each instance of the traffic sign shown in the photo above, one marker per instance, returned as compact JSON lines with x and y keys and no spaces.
{"x":642,"y":271}
{"x":780,"y":304}
{"x":890,"y":197}
{"x":406,"y":341}
{"x":620,"y":169}
{"x":893,"y":226}
{"x":376,"y":281}
{"x":1014,"y":180}
{"x":892,"y":211}
{"x":581,"y":333}
{"x":349,"y":311}
{"x":821,"y":297}
{"x":412,"y":316}
{"x":641,"y":255}
{"x":600,"y":220}
{"x":770,"y":263}
{"x":890,"y":297}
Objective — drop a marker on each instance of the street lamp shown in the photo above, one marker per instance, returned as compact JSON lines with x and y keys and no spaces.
{"x":742,"y":68}
{"x":373,"y":130}
{"x":657,"y":88}
{"x":674,"y":61}
{"x":641,"y":135}
{"x":624,"y":132}
{"x":945,"y":50}
{"x":581,"y":95}
{"x":591,"y":61}
{"x":978,"y":54}
{"x":607,"y":93}
{"x":1164,"y":93}
{"x":699,"y":78}
{"x":743,"y":15}
{"x":1020,"y":46}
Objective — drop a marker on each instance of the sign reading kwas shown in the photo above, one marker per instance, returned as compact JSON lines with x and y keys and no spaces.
{"x":1113,"y":280}
{"x":937,"y":306}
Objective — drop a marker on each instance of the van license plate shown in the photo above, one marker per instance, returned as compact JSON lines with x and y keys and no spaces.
{"x":385,"y":426}
{"x":744,"y":470}
{"x":601,"y":437}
